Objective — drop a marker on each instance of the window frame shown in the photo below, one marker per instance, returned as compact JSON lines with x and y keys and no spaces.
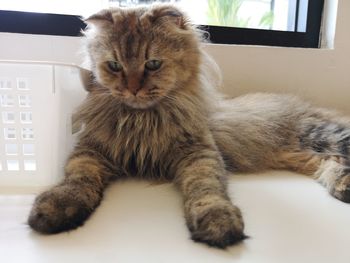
{"x":72,"y":25}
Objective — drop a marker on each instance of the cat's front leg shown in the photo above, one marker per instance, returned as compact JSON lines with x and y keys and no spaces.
{"x":68,"y":204}
{"x":209,"y":213}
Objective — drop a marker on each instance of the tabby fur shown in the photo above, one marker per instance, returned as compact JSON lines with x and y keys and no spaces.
{"x":179,"y":128}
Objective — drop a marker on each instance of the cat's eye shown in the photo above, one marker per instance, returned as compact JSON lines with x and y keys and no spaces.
{"x":114,"y":66}
{"x":153,"y":64}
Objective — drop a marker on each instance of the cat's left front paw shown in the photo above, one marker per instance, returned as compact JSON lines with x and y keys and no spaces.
{"x":218,"y":226}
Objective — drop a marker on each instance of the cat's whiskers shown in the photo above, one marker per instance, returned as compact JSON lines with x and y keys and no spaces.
{"x":170,"y":97}
{"x":153,"y":94}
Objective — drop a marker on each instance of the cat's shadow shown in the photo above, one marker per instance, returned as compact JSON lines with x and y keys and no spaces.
{"x":137,"y":215}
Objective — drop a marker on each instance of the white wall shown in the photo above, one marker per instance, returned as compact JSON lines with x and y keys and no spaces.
{"x":320,"y":75}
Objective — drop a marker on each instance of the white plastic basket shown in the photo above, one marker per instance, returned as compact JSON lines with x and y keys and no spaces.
{"x":36,"y":102}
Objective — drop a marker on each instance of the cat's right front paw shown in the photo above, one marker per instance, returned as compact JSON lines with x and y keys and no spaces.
{"x":60,"y":209}
{"x":218,"y":226}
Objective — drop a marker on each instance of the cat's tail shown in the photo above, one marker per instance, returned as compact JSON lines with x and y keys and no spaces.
{"x":326,"y":135}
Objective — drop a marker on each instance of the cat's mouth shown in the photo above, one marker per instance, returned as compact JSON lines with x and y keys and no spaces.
{"x":143,"y":99}
{"x":137,"y":101}
{"x":140,"y":103}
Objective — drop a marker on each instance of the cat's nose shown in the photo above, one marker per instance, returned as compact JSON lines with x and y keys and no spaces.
{"x":134,"y":84}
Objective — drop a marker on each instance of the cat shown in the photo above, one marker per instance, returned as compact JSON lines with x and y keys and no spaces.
{"x":152,"y":111}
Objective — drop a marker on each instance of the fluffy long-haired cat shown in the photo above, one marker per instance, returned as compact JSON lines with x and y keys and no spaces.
{"x":153,"y":112}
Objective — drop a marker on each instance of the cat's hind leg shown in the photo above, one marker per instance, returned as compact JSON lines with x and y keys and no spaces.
{"x":331,"y":171}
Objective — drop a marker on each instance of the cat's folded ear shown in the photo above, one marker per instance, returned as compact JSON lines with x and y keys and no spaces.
{"x":167,"y":14}
{"x":101,"y":18}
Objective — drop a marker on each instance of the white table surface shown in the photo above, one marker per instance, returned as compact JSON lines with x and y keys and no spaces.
{"x":289,"y":218}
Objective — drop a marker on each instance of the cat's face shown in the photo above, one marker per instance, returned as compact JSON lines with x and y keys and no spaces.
{"x":143,"y":54}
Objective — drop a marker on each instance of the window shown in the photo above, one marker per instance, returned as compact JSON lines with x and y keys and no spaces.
{"x":281,"y":15}
{"x":261,"y":22}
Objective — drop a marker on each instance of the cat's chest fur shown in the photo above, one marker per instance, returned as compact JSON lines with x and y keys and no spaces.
{"x":143,"y":139}
{"x":143,"y":142}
